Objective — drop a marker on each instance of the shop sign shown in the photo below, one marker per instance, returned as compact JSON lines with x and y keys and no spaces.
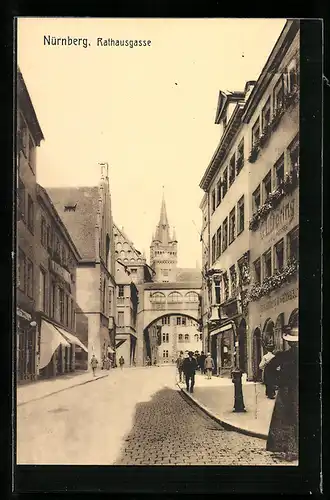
{"x":60,"y":271}
{"x":281,"y":299}
{"x":23,"y":314}
{"x":278,"y":220}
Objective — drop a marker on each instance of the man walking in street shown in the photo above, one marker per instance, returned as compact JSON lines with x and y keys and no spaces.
{"x":179,"y":365}
{"x":121,"y":362}
{"x":202,"y":358}
{"x":267,"y":380}
{"x":209,"y":365}
{"x":189,"y":369}
{"x":94,"y":364}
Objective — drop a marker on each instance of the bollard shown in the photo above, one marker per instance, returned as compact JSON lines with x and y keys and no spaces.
{"x":236,"y":375}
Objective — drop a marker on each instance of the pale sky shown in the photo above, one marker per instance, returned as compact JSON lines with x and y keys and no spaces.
{"x":147,"y":111}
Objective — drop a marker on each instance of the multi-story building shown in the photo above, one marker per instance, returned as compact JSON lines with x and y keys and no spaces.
{"x":247,"y":187}
{"x":86,"y":213}
{"x":29,"y":136}
{"x":271,"y":117}
{"x":56,"y":263}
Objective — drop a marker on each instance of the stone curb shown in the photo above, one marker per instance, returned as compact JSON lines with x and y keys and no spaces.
{"x":63,"y":389}
{"x":224,"y":423}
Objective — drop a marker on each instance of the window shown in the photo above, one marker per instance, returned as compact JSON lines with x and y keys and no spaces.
{"x":217,"y":291}
{"x":21,"y":200}
{"x":165,"y":320}
{"x":294,"y":153}
{"x":293,"y":244}
{"x":187,"y":337}
{"x":233,"y":280}
{"x":232,"y":225}
{"x":213,"y":256}
{"x":279,"y":171}
{"x":73,"y":315}
{"x":180,"y":337}
{"x":165,"y":354}
{"x":175,"y":297}
{"x":225,"y":284}
{"x":49,"y":237}
{"x":213,"y":201}
{"x":200,"y":336}
{"x":178,"y":320}
{"x":43,"y":235}
{"x":165,"y":272}
{"x":240,"y":215}
{"x":158,"y":297}
{"x":31,"y":153}
{"x":225,"y":182}
{"x":21,"y":270}
{"x":53,"y":300}
{"x":266,"y":115}
{"x":42,"y":290}
{"x":218,"y":242}
{"x":267,"y":263}
{"x":120,"y":290}
{"x":257,"y":270}
{"x":218,"y":192}
{"x":30,"y":220}
{"x":279,"y":94}
{"x":183,"y":320}
{"x":292,"y":76}
{"x":165,"y":337}
{"x":256,"y":200}
{"x":67,"y":311}
{"x":61,"y":298}
{"x":30,"y":278}
{"x":225,"y":234}
{"x":232,"y":169}
{"x":121,"y":318}
{"x":191,"y":297}
{"x":279,"y":255}
{"x":267,"y":185}
{"x":22,"y":135}
{"x":256,"y":133}
{"x":196,"y":337}
{"x":240,"y":157}
{"x":133,"y":271}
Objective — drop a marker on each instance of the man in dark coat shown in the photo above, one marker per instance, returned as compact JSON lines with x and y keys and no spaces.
{"x":189,"y":369}
{"x":201,"y":362}
{"x":283,"y":430}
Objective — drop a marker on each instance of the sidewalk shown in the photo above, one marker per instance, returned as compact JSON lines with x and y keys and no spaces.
{"x":216,"y":397}
{"x":43,"y":388}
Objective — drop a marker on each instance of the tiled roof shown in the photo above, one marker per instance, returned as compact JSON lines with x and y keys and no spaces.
{"x":189,"y":274}
{"x":81,"y":221}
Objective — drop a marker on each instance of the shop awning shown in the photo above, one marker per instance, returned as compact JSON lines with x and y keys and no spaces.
{"x":50,"y":339}
{"x":72,"y":338}
{"x":222,"y":329}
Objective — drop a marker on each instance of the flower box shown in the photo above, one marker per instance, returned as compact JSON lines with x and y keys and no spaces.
{"x":254,"y":153}
{"x":292,"y":96}
{"x":265,"y":135}
{"x":278,"y":113}
{"x":273,"y":282}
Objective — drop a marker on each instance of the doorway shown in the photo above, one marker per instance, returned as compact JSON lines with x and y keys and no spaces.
{"x":242,"y":346}
{"x":257,"y":354}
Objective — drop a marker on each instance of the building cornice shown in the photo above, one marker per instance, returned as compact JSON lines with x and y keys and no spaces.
{"x":273,"y":62}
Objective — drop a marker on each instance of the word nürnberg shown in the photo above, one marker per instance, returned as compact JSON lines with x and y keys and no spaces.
{"x":110,"y":42}
{"x":285,"y":297}
{"x":100,"y":42}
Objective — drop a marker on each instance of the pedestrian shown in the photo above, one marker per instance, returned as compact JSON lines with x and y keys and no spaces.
{"x":189,"y":369}
{"x":179,"y":365}
{"x":148,"y":361}
{"x":121,"y":362}
{"x":201,"y":363}
{"x":209,"y":365}
{"x":283,"y":430}
{"x":94,"y":364}
{"x":267,"y":378}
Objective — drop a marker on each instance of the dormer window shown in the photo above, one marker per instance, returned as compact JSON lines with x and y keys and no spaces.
{"x":70,"y":207}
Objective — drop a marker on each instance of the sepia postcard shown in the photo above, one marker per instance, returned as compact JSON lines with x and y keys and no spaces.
{"x":157,"y":311}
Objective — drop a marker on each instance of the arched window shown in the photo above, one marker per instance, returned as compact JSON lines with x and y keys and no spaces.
{"x":175,"y":297}
{"x":157,"y":297}
{"x":186,"y":337}
{"x":180,"y":337}
{"x":107,"y":249}
{"x":294,"y":318}
{"x":268,"y":334}
{"x":191,"y":297}
{"x":196,"y":337}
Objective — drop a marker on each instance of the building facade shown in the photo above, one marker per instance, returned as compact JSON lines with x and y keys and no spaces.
{"x":56,"y":264}
{"x":86,"y":213}
{"x":29,"y":137}
{"x":252,"y":198}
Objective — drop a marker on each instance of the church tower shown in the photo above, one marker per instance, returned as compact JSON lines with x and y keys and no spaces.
{"x":163,"y":250}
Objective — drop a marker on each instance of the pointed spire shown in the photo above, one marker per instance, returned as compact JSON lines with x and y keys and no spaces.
{"x":162,"y":229}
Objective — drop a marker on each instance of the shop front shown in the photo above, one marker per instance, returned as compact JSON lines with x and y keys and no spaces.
{"x":268,"y":317}
{"x":26,"y":346}
{"x":223,"y":349}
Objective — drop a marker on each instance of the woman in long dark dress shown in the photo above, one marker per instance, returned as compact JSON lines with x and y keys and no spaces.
{"x":283,"y":430}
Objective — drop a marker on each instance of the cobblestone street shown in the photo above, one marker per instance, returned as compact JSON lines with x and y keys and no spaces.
{"x":132,"y":417}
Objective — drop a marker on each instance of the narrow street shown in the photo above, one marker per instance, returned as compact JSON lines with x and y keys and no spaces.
{"x":133,"y":417}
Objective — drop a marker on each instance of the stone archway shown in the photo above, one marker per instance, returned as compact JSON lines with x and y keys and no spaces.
{"x":269,"y":334}
{"x":242,"y":346}
{"x":257,"y":354}
{"x":294,"y":319}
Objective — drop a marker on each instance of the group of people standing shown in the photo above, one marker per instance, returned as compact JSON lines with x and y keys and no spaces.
{"x":188,"y":363}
